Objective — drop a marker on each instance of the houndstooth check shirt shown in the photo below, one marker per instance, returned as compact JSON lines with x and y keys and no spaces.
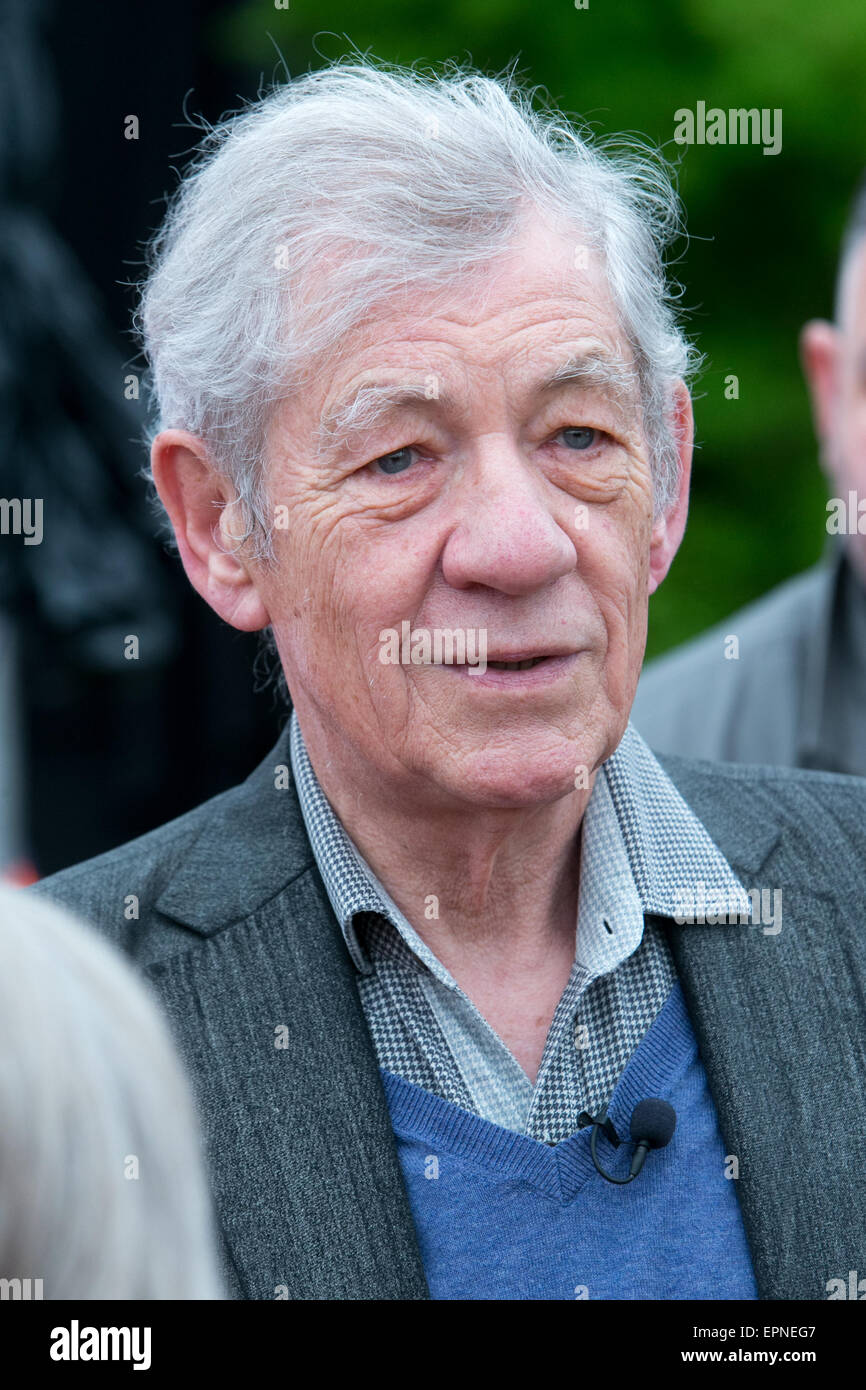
{"x":641,"y":847}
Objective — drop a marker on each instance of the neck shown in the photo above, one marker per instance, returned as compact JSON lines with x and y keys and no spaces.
{"x":492,"y":889}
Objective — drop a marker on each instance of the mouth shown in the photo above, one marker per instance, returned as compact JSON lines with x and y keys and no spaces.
{"x":516,"y":672}
{"x":524,"y":664}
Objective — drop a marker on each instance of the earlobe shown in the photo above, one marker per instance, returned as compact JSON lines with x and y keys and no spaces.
{"x":201,"y":506}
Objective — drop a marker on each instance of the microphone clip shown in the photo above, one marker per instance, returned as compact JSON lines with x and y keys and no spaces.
{"x":604,"y":1123}
{"x":652,"y":1125}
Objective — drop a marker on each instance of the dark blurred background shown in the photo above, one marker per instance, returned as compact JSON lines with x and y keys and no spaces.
{"x":110,"y":747}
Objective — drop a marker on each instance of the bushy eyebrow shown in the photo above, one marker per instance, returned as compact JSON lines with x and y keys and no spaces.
{"x":370,"y":404}
{"x":373,"y":402}
{"x":599,"y":371}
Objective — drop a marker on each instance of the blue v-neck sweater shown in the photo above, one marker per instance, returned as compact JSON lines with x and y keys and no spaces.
{"x":503,"y":1216}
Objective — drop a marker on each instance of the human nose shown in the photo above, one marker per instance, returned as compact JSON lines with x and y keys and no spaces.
{"x":505,"y":535}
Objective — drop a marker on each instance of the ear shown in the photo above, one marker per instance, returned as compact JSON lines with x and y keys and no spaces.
{"x":670,"y":525}
{"x":199,"y":500}
{"x":819,"y":355}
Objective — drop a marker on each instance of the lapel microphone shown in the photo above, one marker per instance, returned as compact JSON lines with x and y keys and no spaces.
{"x":653,"y":1123}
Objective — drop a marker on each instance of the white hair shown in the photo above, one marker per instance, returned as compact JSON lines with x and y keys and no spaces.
{"x":349,"y":186}
{"x":90,"y":1083}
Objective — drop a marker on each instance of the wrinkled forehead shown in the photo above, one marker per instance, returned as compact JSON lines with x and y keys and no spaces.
{"x":542,"y":313}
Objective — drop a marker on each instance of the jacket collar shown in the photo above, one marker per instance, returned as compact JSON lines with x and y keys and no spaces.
{"x":257,"y":828}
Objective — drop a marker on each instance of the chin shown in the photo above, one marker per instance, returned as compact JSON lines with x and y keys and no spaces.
{"x":509,"y":780}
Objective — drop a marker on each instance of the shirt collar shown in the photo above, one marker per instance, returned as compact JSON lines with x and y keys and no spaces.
{"x":609,"y":908}
{"x":347,"y":878}
{"x":669,"y":850}
{"x":643,"y":850}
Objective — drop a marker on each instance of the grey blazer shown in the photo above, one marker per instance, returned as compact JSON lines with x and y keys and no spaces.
{"x":236,"y":934}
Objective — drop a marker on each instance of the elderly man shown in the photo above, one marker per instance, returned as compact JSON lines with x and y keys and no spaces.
{"x":422,"y":415}
{"x":793,"y":688}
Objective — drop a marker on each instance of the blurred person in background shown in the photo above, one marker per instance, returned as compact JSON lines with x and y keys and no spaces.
{"x":784,"y":679}
{"x":103,"y":1192}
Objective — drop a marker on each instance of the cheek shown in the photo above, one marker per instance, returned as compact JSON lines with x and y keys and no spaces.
{"x":307,"y":602}
{"x":352,"y":583}
{"x":615,"y":563}
{"x":618,"y":582}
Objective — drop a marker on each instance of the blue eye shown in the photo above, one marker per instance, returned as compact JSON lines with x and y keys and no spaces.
{"x":578,"y":436}
{"x":396,"y":462}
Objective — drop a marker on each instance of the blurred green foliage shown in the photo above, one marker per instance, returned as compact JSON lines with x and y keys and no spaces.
{"x":763,"y":229}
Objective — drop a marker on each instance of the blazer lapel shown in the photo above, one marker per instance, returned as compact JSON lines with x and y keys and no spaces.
{"x":779,"y":1027}
{"x":303,"y":1162}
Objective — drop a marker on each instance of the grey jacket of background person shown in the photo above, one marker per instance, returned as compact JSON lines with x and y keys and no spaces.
{"x":237,"y":935}
{"x":795,"y":694}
